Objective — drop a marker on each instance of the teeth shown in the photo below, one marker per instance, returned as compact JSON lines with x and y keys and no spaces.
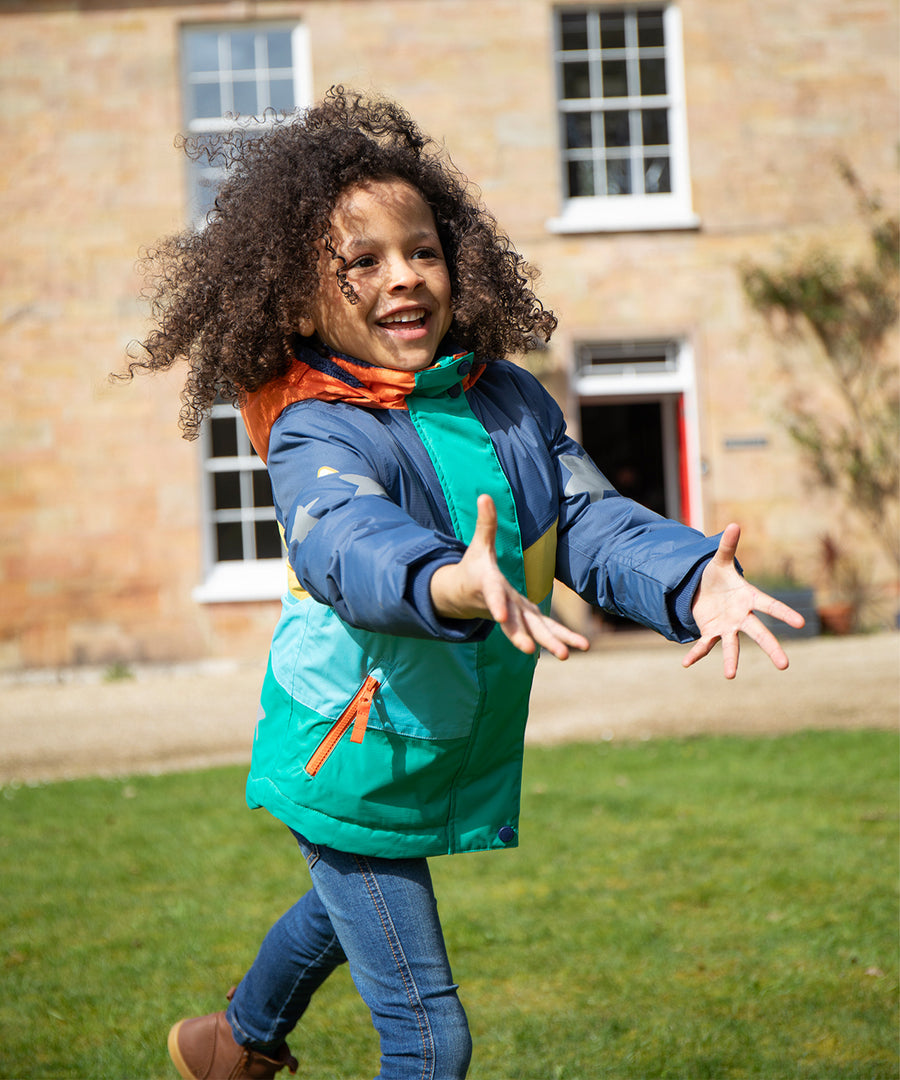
{"x":406,"y":316}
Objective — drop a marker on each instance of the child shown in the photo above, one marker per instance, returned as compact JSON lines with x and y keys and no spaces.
{"x":356,"y":301}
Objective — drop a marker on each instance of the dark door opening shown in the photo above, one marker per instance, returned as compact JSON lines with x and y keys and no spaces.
{"x":629,"y":442}
{"x":626,"y":443}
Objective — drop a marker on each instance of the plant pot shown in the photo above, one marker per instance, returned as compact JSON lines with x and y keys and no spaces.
{"x":837,"y":618}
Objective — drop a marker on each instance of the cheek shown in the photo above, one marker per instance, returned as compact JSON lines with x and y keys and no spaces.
{"x":331,"y":305}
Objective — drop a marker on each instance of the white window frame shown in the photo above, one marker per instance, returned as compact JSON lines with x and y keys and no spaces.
{"x":624,"y":382}
{"x":618,"y":213}
{"x":246,"y":579}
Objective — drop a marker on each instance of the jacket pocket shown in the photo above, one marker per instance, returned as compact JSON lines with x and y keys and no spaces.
{"x":355,"y":714}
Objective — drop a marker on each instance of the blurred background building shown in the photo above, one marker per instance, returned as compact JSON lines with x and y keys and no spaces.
{"x":642,"y":155}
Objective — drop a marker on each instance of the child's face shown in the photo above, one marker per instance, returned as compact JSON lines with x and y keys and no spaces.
{"x":385,"y":231}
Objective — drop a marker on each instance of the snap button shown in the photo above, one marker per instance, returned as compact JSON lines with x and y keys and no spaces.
{"x":507,"y":834}
{"x":465,"y":367}
{"x":455,"y":390}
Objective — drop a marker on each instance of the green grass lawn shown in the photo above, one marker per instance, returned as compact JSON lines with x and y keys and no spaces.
{"x":715,"y":907}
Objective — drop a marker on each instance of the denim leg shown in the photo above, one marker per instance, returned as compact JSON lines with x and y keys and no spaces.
{"x":381,"y":915}
{"x":385,"y":916}
{"x":297,"y":955}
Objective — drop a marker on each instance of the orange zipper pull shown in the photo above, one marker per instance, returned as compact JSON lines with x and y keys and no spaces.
{"x":363,"y":705}
{"x":357,"y":714}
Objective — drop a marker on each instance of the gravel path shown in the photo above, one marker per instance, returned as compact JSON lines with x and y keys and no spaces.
{"x":630,"y":686}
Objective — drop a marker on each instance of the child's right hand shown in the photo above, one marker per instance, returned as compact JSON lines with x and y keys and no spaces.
{"x":475,"y":588}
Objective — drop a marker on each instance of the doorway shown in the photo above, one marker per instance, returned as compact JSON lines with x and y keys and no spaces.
{"x":635,"y":443}
{"x":638,"y":444}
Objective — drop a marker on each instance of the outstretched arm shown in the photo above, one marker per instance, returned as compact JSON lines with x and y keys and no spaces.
{"x":475,"y":588}
{"x":724,"y":606}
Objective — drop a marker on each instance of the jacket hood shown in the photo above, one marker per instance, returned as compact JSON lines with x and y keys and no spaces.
{"x":342,"y":378}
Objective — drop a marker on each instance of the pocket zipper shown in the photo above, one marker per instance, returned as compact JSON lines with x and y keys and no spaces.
{"x":357,"y":714}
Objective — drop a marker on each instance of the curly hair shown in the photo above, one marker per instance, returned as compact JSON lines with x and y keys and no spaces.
{"x":228,"y":298}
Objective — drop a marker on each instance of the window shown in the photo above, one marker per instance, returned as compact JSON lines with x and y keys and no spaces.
{"x":623,"y":143}
{"x":237,"y":77}
{"x":242,"y":542}
{"x":241,"y":496}
{"x":231,"y":77}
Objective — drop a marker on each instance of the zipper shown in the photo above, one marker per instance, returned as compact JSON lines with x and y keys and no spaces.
{"x":357,"y":714}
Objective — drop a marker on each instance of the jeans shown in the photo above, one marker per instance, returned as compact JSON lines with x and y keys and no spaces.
{"x":380,"y":916}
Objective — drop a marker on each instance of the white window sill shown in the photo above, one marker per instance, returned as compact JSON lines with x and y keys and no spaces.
{"x":623,"y":213}
{"x":240,"y":582}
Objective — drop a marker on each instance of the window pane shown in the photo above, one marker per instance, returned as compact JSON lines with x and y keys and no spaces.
{"x":204,"y":186}
{"x":618,"y":177}
{"x":281,"y":94}
{"x":279,"y":48}
{"x":612,"y":31}
{"x":245,"y":101}
{"x":615,"y":128}
{"x":581,"y":178}
{"x":653,"y":77}
{"x":227,"y":487}
{"x":578,"y":130}
{"x":650,"y":29}
{"x":576,"y":80}
{"x":262,"y":488}
{"x":224,"y":437}
{"x":268,"y":540}
{"x":243,"y":51}
{"x":229,"y":541}
{"x":202,"y":52}
{"x":655,"y":127}
{"x":656,"y":175}
{"x":574,"y":31}
{"x":615,"y":78}
{"x":206,"y":100}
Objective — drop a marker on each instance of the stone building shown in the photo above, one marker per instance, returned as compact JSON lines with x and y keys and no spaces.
{"x":640,"y":154}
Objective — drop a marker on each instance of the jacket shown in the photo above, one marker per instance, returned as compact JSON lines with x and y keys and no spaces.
{"x":385,"y":729}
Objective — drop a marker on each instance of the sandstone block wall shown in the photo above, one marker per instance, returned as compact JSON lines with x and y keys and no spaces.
{"x":100,"y":541}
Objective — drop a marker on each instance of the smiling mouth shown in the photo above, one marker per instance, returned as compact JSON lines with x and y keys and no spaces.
{"x":413,"y":319}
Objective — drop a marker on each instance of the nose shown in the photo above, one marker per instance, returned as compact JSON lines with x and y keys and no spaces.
{"x":404,"y":275}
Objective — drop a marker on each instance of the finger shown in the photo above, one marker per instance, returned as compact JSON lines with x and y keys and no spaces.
{"x":767,"y":641}
{"x":494,"y":591}
{"x":727,"y":549}
{"x":551,"y":635}
{"x":527,"y":628}
{"x":731,"y":653}
{"x":779,"y":610}
{"x":700,"y":649}
{"x":485,"y":534}
{"x":515,"y":629}
{"x":571,"y":637}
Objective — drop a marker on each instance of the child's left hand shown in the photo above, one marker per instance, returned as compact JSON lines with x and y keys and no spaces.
{"x":724,"y":605}
{"x":475,"y":588}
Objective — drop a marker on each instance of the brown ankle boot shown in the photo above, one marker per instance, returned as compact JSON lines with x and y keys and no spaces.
{"x":203,"y":1048}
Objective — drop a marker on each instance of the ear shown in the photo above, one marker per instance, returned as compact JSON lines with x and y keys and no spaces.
{"x":306,"y":327}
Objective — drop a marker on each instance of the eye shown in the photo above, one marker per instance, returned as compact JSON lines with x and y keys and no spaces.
{"x":426,"y":253}
{"x":364,"y":262}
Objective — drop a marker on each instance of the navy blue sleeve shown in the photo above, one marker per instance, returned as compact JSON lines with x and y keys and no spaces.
{"x":351,"y":546}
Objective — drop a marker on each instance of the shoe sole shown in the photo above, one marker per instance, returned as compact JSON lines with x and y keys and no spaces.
{"x":175,"y":1053}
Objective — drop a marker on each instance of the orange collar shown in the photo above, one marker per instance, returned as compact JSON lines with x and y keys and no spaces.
{"x":338,"y":378}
